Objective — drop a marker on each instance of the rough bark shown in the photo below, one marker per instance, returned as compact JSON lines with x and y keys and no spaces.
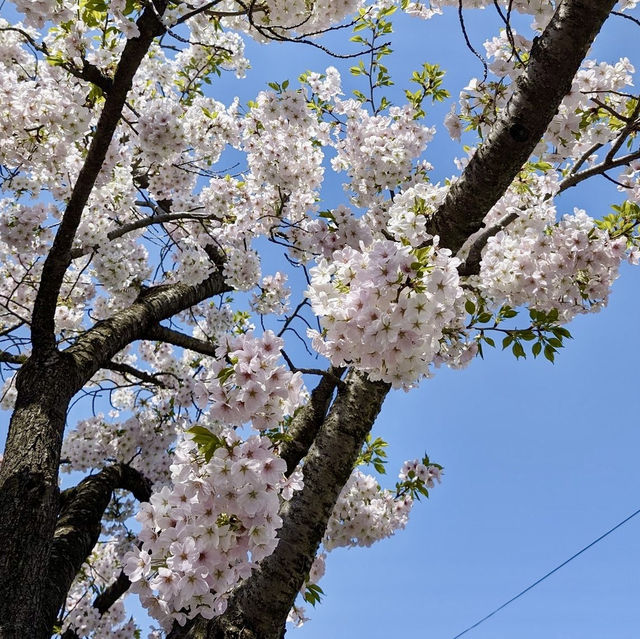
{"x":554,"y":61}
{"x":259,"y":608}
{"x":29,"y":493}
{"x":101,"y":343}
{"x":79,"y":525}
{"x":307,"y":421}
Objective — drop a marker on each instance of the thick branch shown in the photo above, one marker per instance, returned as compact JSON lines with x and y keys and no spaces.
{"x":164,"y":334}
{"x":258,"y":609}
{"x":59,"y":257}
{"x":307,"y":421}
{"x":555,"y":59}
{"x":79,"y":525}
{"x":99,"y":344}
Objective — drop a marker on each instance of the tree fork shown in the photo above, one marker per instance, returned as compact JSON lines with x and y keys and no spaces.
{"x":554,"y":60}
{"x":258,"y":608}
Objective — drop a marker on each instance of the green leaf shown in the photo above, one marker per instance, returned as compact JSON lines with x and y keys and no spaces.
{"x":225,"y":374}
{"x":518,"y":350}
{"x":470,"y":307}
{"x":313,"y":594}
{"x":536,"y":348}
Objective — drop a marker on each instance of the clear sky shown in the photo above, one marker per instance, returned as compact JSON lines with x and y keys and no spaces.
{"x":539,"y":459}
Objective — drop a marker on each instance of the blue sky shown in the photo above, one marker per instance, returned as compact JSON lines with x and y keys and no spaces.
{"x":539,"y":459}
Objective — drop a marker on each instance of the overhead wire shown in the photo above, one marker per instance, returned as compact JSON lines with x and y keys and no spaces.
{"x":535,"y":583}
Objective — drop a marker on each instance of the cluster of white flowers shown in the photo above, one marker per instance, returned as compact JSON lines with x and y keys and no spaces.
{"x":160,"y":131}
{"x":122,"y":266}
{"x":229,"y":45}
{"x":629,"y":181}
{"x":426,"y":473}
{"x":410,"y":210}
{"x":382,"y":311}
{"x":327,"y":85}
{"x":378,"y":150}
{"x":206,"y":531}
{"x":541,"y":10}
{"x":569,"y":266}
{"x":364,"y":513}
{"x":245,"y":384}
{"x":212,"y":322}
{"x":38,"y":12}
{"x":274,"y":295}
{"x":279,"y":137}
{"x":141,"y":441}
{"x":294,"y":16}
{"x":242,"y":269}
{"x":334,"y":230}
{"x":22,"y":227}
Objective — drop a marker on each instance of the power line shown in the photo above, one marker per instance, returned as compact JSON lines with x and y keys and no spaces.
{"x":535,"y":583}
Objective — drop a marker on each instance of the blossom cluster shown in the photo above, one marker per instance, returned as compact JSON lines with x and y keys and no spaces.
{"x":382,"y":310}
{"x":141,"y":441}
{"x":274,"y":295}
{"x":209,"y":528}
{"x":409,"y":213}
{"x":569,"y":266}
{"x":288,"y":17}
{"x":378,"y":151}
{"x":364,"y":513}
{"x":280,"y":138}
{"x":245,"y":383}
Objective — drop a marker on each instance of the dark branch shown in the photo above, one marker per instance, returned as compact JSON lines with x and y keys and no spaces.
{"x":539,"y":91}
{"x":598,"y":169}
{"x":10,"y":358}
{"x":95,"y":348}
{"x":164,"y":334}
{"x":79,"y":525}
{"x":59,"y":257}
{"x":307,"y":421}
{"x":143,"y":376}
{"x":114,"y":591}
{"x":140,"y":224}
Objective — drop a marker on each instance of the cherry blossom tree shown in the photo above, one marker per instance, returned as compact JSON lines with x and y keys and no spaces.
{"x":226,"y":403}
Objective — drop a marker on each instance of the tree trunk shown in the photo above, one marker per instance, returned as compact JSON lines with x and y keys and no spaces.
{"x":29,"y":494}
